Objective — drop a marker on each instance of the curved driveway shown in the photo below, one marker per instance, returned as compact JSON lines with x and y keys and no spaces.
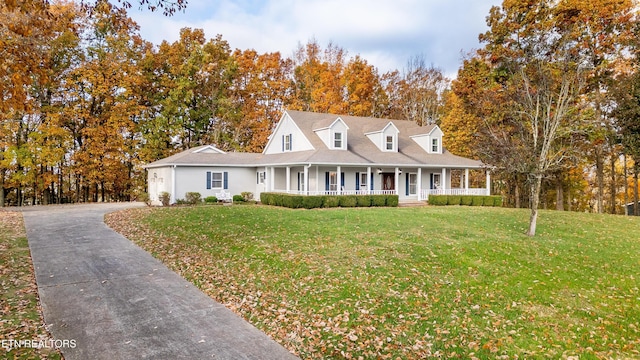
{"x":115,"y":301}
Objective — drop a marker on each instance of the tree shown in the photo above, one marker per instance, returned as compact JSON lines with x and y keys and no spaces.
{"x":259,"y":90}
{"x":416,"y":93}
{"x":542,"y":76}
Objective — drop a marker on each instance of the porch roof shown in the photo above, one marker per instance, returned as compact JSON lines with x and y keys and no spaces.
{"x":376,"y":158}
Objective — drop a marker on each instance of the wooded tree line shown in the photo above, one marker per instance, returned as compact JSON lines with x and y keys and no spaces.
{"x":550,"y":101}
{"x":86,"y":100}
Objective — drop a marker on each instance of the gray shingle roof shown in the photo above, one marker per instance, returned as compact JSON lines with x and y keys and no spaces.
{"x":360,"y":150}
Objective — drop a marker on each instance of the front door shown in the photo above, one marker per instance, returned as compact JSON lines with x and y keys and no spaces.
{"x":388,"y":181}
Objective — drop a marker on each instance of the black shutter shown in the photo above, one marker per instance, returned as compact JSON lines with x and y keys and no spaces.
{"x":407,"y":185}
{"x":326,"y":183}
{"x":357,"y":181}
{"x":208,"y":180}
{"x":226,"y":180}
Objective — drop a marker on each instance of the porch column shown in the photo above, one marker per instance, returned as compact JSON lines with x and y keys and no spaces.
{"x":339,"y":181}
{"x":419,"y":183}
{"x":174,"y":196}
{"x":368,"y":180}
{"x":443,"y":182}
{"x":488,"y":182}
{"x":306,"y":179}
{"x":466,"y":179}
{"x":288,"y":179}
{"x":272,"y":178}
{"x":397,"y":181}
{"x":317,"y":183}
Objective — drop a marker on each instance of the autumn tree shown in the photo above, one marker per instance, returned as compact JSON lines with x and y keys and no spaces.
{"x":260,"y":88}
{"x":101,"y":107}
{"x":416,"y":93}
{"x":600,"y":31}
{"x":542,"y":74}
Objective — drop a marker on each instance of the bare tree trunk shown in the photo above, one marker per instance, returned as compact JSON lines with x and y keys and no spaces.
{"x":626,"y":184}
{"x":534,"y":187}
{"x":600,"y":180}
{"x":517,"y":194}
{"x":613,"y":187}
{"x":2,"y":188}
{"x":636,"y":169}
{"x":559,"y":193}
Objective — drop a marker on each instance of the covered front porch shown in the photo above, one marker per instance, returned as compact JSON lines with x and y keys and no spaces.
{"x":409,"y":183}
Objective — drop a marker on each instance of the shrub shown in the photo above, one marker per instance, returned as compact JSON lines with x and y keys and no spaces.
{"x":348,"y":201}
{"x":165,"y":198}
{"x":292,"y":201}
{"x":210,"y":200}
{"x":193,"y":198}
{"x":363,"y":200}
{"x":392,"y":200}
{"x":378,"y":200}
{"x":247,"y":195}
{"x":331,"y":201}
{"x":466,"y":200}
{"x":438,"y":200}
{"x":238,"y":198}
{"x":311,"y":202}
{"x":453,"y":200}
{"x":497,"y":201}
{"x":477,"y":201}
{"x":144,"y":197}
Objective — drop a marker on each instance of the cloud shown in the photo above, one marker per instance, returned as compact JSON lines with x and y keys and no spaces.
{"x":385,"y":33}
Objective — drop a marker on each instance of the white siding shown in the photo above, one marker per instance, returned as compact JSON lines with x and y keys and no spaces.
{"x":425,"y":141}
{"x":194,"y":179}
{"x":158,"y":180}
{"x":286,"y":126}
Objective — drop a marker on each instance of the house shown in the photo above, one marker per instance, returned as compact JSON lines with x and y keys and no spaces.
{"x":314,"y":153}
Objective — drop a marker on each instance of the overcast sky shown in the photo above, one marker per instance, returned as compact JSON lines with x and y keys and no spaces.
{"x":384,"y":32}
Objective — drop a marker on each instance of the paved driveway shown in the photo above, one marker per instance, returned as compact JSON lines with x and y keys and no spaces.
{"x":115,"y":301}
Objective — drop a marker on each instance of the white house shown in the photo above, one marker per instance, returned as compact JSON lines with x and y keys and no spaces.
{"x":313,"y":153}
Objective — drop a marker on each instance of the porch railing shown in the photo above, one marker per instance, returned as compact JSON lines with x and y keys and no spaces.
{"x":336,"y":192}
{"x":424,"y":195}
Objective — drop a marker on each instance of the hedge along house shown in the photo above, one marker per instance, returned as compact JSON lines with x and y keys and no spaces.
{"x":314,"y":154}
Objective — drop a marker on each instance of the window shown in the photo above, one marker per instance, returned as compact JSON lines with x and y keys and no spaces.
{"x":435,"y":146}
{"x":287,"y":143}
{"x":261,"y":177}
{"x":333,"y":181}
{"x":301,"y":181}
{"x":413,"y":184}
{"x":363,"y":180}
{"x":389,"y":142}
{"x":216,"y":180}
{"x":337,"y":140}
{"x":435,"y":184}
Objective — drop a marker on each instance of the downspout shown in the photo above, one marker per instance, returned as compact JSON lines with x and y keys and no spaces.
{"x":173,"y":185}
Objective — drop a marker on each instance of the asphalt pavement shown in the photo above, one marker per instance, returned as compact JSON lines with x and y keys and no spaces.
{"x":112,"y":300}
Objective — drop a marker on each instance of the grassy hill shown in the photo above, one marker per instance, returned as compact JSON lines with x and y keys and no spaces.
{"x":411,"y":282}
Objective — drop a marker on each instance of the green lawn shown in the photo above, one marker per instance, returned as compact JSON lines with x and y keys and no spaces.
{"x":20,"y":316}
{"x":411,"y":282}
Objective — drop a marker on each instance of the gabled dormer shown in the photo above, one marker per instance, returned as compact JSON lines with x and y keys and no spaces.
{"x":208,"y":149}
{"x":287,"y":137}
{"x":385,"y":139}
{"x":431,"y":141}
{"x":334,"y":136}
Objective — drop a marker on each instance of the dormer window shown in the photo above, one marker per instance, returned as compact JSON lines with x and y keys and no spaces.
{"x":286,"y":142}
{"x":389,"y":142}
{"x":435,"y":145}
{"x":337,"y":140}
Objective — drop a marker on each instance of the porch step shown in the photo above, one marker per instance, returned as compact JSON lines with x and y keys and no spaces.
{"x":412,"y":203}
